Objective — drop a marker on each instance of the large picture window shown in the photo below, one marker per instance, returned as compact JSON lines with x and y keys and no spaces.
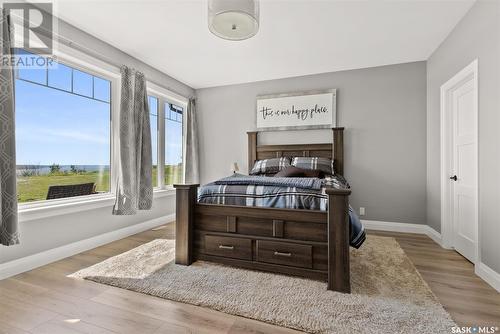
{"x":64,"y":137}
{"x":62,"y":132}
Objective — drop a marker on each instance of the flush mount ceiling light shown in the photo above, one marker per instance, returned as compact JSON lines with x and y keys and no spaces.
{"x":234,"y":20}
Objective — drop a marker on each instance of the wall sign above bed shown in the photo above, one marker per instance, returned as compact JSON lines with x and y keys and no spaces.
{"x":304,"y":110}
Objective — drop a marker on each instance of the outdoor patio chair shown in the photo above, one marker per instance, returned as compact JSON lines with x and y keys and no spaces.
{"x":71,"y":190}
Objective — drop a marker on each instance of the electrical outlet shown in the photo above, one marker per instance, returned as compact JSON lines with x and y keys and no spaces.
{"x":361,"y":211}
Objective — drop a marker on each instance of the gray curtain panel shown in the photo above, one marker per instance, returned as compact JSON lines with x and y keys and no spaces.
{"x":134,"y":187}
{"x":9,"y":234}
{"x":192,"y":157}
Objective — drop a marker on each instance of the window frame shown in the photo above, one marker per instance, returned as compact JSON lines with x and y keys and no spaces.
{"x":82,"y":62}
{"x":94,"y":71}
{"x":166,"y":96}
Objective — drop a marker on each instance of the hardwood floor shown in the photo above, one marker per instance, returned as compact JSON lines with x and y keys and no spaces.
{"x":45,"y":301}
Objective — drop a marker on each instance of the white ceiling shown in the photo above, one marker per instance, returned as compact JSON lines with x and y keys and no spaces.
{"x":296,"y":37}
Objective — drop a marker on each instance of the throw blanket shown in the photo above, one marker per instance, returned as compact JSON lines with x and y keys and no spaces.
{"x":357,"y":233}
{"x":296,"y":182}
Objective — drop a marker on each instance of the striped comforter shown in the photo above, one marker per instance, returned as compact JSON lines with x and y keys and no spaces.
{"x":274,"y":196}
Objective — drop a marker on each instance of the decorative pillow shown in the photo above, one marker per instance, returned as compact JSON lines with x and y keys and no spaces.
{"x":323,"y":164}
{"x":299,"y":172}
{"x":270,"y":166}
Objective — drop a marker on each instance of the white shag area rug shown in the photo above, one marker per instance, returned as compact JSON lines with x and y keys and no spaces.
{"x":388,"y":294}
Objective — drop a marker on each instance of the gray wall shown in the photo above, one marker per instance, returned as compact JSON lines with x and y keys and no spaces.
{"x":476,"y":36}
{"x":44,"y":234}
{"x":383,"y":110}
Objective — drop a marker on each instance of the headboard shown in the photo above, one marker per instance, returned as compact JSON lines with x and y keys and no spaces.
{"x":333,"y":150}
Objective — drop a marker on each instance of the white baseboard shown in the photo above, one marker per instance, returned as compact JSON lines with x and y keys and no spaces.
{"x":434,"y":235}
{"x":488,"y":275}
{"x":403,"y":228}
{"x":30,"y":262}
{"x":393,"y":227}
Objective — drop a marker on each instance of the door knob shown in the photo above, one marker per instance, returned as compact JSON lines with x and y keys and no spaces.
{"x":454,"y":178}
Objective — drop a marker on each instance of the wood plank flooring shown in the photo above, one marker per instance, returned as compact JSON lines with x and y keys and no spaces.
{"x":45,"y":301}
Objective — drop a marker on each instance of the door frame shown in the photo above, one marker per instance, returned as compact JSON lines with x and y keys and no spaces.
{"x":470,"y":70}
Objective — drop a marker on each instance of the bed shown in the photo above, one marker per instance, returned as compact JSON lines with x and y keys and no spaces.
{"x":307,"y":236}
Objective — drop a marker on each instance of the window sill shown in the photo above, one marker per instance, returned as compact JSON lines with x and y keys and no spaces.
{"x":45,"y":209}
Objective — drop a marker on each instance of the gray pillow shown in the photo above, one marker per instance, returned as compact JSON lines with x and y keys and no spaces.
{"x":323,"y":164}
{"x":270,"y":166}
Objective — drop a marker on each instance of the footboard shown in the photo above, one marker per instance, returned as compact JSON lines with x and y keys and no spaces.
{"x":307,"y":243}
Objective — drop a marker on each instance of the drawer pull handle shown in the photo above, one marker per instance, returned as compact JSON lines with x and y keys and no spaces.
{"x":282,"y":254}
{"x":226,"y":247}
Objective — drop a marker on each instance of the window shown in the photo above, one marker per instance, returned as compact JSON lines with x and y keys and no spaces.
{"x":64,"y":124}
{"x":166,"y":119}
{"x":62,"y":130}
{"x":173,"y":143}
{"x":153,"y":119}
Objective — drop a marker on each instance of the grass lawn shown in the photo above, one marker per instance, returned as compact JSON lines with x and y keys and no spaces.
{"x":173,"y":174}
{"x":34,"y":188}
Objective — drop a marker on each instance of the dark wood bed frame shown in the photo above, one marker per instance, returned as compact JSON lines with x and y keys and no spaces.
{"x":307,"y":243}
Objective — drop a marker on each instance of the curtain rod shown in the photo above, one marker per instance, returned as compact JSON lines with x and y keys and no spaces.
{"x":110,"y":61}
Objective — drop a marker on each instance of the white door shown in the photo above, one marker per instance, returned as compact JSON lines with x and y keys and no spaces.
{"x":463,"y":172}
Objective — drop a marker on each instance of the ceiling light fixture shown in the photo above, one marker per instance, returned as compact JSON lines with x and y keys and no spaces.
{"x":234,"y":20}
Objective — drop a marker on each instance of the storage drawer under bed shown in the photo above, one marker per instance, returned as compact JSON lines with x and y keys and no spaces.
{"x":237,"y":248}
{"x":284,"y":253}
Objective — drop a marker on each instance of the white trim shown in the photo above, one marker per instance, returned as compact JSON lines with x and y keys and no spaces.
{"x":57,"y":207}
{"x":166,"y":93}
{"x":393,"y":226}
{"x":446,"y":214}
{"x":488,"y":275}
{"x":434,"y":235}
{"x":87,"y":63}
{"x":403,"y":228}
{"x":30,"y":262}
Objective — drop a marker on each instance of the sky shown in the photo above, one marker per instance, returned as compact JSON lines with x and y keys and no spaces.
{"x":54,"y":126}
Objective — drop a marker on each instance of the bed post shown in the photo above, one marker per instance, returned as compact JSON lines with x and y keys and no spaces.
{"x":338,"y":150}
{"x":185,"y":206}
{"x":338,"y":240}
{"x":252,"y":149}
